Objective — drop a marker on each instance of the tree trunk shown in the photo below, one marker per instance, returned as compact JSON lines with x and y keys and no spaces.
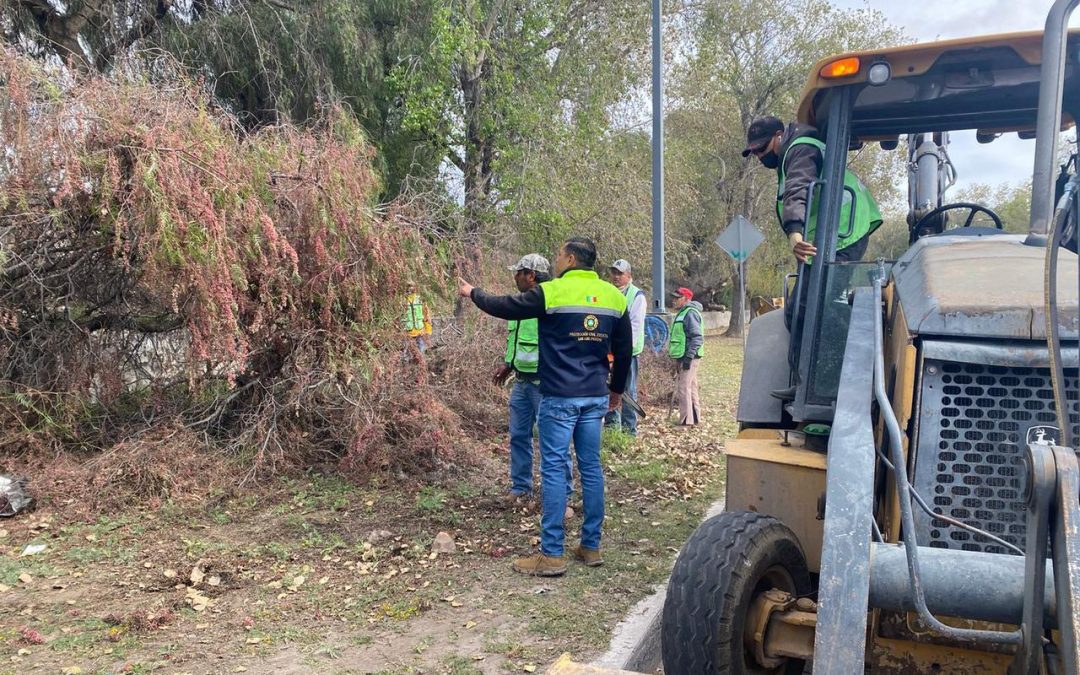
{"x":735,"y":326}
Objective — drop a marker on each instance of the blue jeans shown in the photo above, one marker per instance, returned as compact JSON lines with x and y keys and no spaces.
{"x":626,"y":417}
{"x":563,"y":419}
{"x":524,"y":406}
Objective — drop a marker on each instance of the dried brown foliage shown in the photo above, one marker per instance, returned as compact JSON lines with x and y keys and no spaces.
{"x":172,"y":284}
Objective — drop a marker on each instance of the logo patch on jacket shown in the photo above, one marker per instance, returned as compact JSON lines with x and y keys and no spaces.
{"x":592,"y":299}
{"x":591,"y":322}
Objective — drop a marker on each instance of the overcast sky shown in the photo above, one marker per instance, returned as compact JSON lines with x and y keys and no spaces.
{"x":1008,"y":159}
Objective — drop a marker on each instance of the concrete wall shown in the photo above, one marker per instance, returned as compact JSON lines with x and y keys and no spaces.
{"x":716,"y":320}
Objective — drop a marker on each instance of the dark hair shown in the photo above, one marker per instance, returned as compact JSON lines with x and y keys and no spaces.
{"x":541,"y":277}
{"x":583,"y":250}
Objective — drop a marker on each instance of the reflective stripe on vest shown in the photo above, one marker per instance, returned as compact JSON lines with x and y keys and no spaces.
{"x":677,"y":346}
{"x":414,"y":314}
{"x":582,"y":292}
{"x":523,"y":346}
{"x":631,"y":293}
{"x":867,"y":214}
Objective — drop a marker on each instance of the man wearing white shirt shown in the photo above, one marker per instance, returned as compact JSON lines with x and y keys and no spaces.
{"x":620,"y":276}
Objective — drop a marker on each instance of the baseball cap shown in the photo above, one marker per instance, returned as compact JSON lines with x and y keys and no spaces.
{"x":534,"y":262}
{"x":621,"y":265}
{"x":761,"y":130}
{"x":684,"y":292}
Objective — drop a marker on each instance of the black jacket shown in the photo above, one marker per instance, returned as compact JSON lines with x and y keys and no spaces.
{"x":569,"y":366}
{"x":801,"y":167}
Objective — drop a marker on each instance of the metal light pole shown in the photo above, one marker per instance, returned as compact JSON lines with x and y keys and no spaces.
{"x":657,"y":161}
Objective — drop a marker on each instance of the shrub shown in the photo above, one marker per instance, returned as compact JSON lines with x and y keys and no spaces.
{"x":162,"y":268}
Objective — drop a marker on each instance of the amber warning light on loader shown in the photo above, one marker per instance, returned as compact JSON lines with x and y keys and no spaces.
{"x":841,"y":68}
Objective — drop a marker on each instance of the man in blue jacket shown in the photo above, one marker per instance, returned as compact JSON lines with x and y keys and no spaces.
{"x":581,"y":320}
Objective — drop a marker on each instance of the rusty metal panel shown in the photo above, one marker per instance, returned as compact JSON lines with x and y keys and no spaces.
{"x":765,"y":477}
{"x":900,"y":657}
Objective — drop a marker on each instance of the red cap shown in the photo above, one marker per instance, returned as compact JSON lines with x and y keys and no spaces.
{"x":685,"y":292}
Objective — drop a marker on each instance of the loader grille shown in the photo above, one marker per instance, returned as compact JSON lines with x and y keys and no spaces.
{"x":973,"y":428}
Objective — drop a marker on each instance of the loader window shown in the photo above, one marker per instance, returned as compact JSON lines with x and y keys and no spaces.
{"x":843,"y":277}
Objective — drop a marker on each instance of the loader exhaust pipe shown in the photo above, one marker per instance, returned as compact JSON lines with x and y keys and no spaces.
{"x":1048,"y":121}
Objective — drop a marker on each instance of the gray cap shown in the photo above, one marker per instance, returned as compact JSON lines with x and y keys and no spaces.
{"x":621,"y":265}
{"x":534,"y":262}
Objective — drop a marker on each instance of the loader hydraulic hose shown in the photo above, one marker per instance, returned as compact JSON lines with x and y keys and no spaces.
{"x":1066,"y":208}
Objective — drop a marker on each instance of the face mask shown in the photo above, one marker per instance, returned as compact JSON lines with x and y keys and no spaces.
{"x":770,"y":160}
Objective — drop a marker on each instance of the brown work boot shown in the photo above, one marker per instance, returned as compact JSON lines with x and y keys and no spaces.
{"x":541,"y":565}
{"x":513,"y":500}
{"x":588,"y":556}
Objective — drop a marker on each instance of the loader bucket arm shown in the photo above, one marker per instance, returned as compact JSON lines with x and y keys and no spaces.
{"x":840,"y":642}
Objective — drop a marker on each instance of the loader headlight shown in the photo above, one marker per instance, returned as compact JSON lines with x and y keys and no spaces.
{"x":879,"y":73}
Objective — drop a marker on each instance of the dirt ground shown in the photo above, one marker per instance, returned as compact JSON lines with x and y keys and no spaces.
{"x":314,"y":574}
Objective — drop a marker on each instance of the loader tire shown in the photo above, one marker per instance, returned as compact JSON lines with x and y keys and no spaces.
{"x":728,"y":560}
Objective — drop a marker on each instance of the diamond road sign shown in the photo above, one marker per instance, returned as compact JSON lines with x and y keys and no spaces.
{"x":739,"y":239}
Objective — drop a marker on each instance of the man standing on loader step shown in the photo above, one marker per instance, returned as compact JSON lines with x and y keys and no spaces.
{"x":797,"y":155}
{"x":619,"y":274}
{"x":581,"y":320}
{"x":523,"y":360}
{"x":687,"y":346}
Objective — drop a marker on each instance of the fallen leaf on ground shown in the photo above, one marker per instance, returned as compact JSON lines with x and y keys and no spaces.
{"x":197,"y":600}
{"x":26,"y":578}
{"x":32,"y":549}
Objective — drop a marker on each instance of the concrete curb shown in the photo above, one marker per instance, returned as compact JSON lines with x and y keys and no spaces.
{"x":635,"y":644}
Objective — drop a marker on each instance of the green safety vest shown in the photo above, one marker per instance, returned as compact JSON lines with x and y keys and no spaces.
{"x":631,"y":294}
{"x":523,"y":345}
{"x":677,"y":345}
{"x":414,"y":314}
{"x":867,"y":213}
{"x":581,"y":312}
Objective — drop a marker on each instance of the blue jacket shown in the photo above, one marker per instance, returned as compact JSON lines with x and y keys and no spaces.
{"x":581,"y":319}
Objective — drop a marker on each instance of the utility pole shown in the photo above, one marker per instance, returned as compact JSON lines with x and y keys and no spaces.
{"x":657,"y":160}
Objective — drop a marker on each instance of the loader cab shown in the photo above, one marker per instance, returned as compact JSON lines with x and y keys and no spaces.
{"x":989,"y":85}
